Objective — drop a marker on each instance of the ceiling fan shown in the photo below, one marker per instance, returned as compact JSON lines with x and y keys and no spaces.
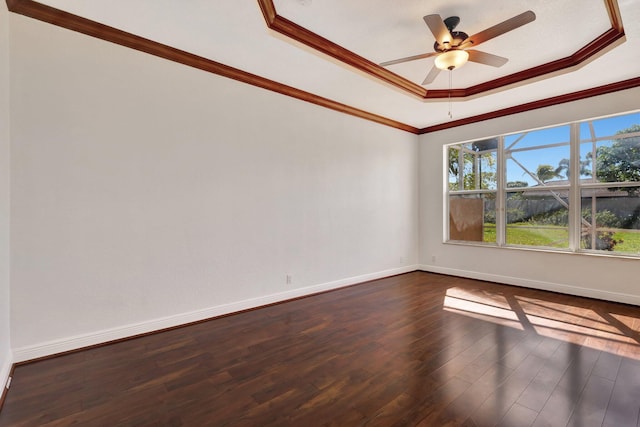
{"x":452,"y":48}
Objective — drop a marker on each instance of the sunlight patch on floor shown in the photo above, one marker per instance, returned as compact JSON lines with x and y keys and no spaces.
{"x":490,"y":308}
{"x":606,"y":331}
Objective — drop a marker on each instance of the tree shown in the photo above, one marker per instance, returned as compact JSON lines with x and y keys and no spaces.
{"x":620,"y":162}
{"x":517,"y":184}
{"x":546,"y":173}
{"x":564,"y":167}
{"x":474,"y":157}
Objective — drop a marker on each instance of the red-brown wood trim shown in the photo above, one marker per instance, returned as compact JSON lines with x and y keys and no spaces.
{"x":548,"y":102}
{"x":319,"y":43}
{"x":301,"y":34}
{"x":268,"y":11}
{"x":614,"y":14}
{"x":82,"y":25}
{"x":607,"y":38}
{"x":76,"y":23}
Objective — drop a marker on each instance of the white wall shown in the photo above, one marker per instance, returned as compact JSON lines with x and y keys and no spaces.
{"x":588,"y":275}
{"x":5,"y":346}
{"x":146,"y":193}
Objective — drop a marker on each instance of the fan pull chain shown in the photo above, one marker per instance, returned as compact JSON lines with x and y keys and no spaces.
{"x":450,"y":88}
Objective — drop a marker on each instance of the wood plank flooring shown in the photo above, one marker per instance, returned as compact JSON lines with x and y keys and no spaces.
{"x":418,"y":349}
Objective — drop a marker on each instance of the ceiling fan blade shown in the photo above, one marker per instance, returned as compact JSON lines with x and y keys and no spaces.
{"x":499,"y":29}
{"x":486,"y":58}
{"x":431,"y":76}
{"x":408,"y":58}
{"x":437,"y":27}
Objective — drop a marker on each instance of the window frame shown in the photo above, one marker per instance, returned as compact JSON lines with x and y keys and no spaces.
{"x":574,"y":185}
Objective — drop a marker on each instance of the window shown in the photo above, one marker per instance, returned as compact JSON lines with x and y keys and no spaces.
{"x":473,"y":182}
{"x":574,"y":187}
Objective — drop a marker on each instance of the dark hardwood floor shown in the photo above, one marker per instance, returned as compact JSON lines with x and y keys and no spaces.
{"x":418,"y":349}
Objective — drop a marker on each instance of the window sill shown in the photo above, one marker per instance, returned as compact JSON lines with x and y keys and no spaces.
{"x":614,"y":255}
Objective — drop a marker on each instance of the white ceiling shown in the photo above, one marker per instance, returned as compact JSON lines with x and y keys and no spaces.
{"x":234,"y":33}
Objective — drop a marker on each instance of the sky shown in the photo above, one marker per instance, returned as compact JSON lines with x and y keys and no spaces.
{"x":523,"y":158}
{"x":531,"y":159}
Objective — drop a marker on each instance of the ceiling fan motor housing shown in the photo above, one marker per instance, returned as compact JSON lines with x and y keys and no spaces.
{"x":451,"y":22}
{"x":457,"y":38}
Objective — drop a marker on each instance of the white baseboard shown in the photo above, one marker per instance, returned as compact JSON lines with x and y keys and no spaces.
{"x":536,"y":284}
{"x":99,"y":337}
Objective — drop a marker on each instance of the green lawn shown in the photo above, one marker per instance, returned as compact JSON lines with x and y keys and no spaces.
{"x":528,"y":235}
{"x":555,"y":237}
{"x":630,"y":244}
{"x":489,"y":233}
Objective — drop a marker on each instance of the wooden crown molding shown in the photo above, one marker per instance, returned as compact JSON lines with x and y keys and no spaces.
{"x":302,"y":35}
{"x":547,"y":102}
{"x":82,"y":25}
{"x":85,"y":26}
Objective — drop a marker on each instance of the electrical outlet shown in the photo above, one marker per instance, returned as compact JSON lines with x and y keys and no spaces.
{"x":401,"y":260}
{"x":289,"y":279}
{"x":433,"y":258}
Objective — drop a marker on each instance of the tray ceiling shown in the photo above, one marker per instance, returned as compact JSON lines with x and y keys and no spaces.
{"x":399,"y":32}
{"x":234,"y":33}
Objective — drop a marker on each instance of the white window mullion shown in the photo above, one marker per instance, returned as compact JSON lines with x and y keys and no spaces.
{"x":575,"y":215}
{"x":501,"y":219}
{"x":445,"y":177}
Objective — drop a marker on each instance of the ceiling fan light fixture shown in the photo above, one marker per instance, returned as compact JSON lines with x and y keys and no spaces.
{"x":451,"y":59}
